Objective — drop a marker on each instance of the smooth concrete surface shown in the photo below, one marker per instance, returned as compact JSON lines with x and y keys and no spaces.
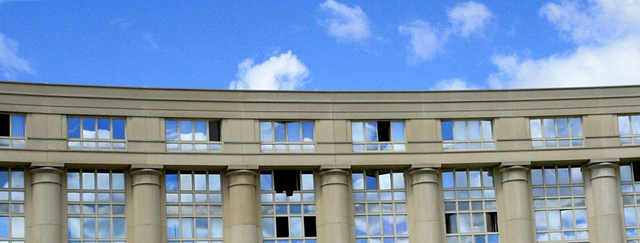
{"x":242,"y":210}
{"x":515,"y":212}
{"x":336,"y":208}
{"x":47,"y":107}
{"x":147,"y":219}
{"x":46,"y":226}
{"x":605,"y":220}
{"x":427,"y":211}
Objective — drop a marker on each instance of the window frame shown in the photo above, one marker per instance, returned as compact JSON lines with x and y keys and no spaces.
{"x":178,"y":200}
{"x":452,"y":145}
{"x":79,"y":143}
{"x":365,"y":146}
{"x":544,"y":203}
{"x":544,"y":142}
{"x":368,"y":202}
{"x":487,"y":197}
{"x":305,"y":146}
{"x":211,"y":146}
{"x":82,"y":204}
{"x":15,"y":142}
{"x":271,"y":201}
{"x":632,"y":138}
{"x":16,"y":207}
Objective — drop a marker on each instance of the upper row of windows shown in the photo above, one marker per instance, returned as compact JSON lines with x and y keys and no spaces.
{"x":107,"y":133}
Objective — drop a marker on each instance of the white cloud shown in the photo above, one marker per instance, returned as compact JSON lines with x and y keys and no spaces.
{"x":10,"y":63}
{"x":453,"y":84}
{"x":607,"y":52}
{"x":150,"y":43}
{"x":427,"y":40}
{"x":346,"y":23}
{"x":469,"y":18}
{"x":283,"y":72}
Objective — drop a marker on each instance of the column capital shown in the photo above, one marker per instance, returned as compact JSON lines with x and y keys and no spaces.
{"x":45,"y":169}
{"x":242,"y":177}
{"x":334,"y":176}
{"x":237,"y":172}
{"x":602,"y":168}
{"x":424,"y":175}
{"x":146,"y":177}
{"x":146,"y":171}
{"x":514,"y":173}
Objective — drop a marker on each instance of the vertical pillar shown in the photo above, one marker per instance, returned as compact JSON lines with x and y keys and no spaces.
{"x":46,"y":189}
{"x":605,"y":218}
{"x":243,"y":222}
{"x":517,"y":224}
{"x":427,"y":209}
{"x":336,"y":207}
{"x":146,"y":209}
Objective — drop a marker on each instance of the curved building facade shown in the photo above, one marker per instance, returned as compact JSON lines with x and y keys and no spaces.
{"x":93,"y":164}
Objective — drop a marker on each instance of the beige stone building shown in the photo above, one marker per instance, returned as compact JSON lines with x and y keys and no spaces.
{"x":99,"y":164}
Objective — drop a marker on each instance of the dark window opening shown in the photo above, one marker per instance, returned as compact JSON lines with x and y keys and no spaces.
{"x":214,"y":131}
{"x":492,"y":222}
{"x":310,"y":226}
{"x":282,"y":227}
{"x":286,"y":181}
{"x":636,"y":170}
{"x":452,"y":224}
{"x":384,"y":131}
{"x":5,"y":125}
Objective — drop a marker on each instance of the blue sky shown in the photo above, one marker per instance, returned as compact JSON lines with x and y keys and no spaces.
{"x":322,"y":45}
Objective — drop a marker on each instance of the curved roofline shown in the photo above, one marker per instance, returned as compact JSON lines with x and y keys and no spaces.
{"x":320,"y":91}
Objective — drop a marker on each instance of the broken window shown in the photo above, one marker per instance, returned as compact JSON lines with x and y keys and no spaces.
{"x":193,"y":135}
{"x":470,"y":205}
{"x":288,"y":205}
{"x":378,"y":136}
{"x":12,"y":131}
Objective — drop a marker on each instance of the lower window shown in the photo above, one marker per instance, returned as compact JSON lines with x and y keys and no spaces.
{"x":194,"y":207}
{"x":380,"y":207}
{"x":288,"y":206}
{"x":96,"y":206}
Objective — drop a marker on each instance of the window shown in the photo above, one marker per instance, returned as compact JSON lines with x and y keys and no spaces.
{"x":472,"y":134}
{"x":556,"y":132}
{"x":96,"y":206}
{"x":630,"y":178}
{"x":12,"y":205}
{"x":559,"y":204}
{"x":629,"y":127}
{"x":280,"y":136}
{"x":194,"y":207}
{"x":12,"y":132}
{"x":380,"y":206}
{"x":470,"y":205}
{"x":101,"y":133}
{"x":288,"y":206}
{"x":378,"y":136}
{"x":193,"y":135}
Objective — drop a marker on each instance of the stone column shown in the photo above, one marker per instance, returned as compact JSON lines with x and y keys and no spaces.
{"x":46,"y":189}
{"x":427,"y":210}
{"x":146,"y":208}
{"x":605,"y":219}
{"x":516,"y":219}
{"x":336,"y":206}
{"x":243,"y":222}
